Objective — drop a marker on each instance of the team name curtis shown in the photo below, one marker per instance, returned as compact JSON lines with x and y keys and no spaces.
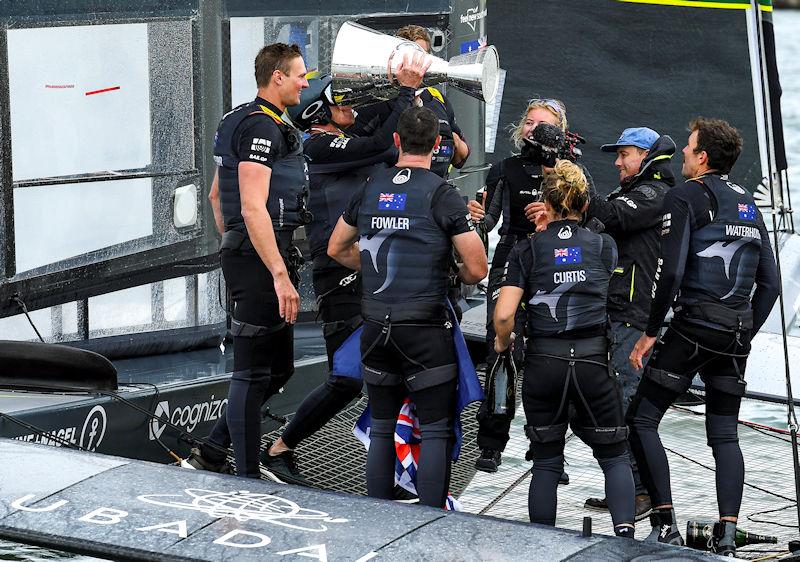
{"x":569,"y":276}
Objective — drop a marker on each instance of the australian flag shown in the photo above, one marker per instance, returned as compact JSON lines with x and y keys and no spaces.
{"x":392,"y":202}
{"x":747,"y":212}
{"x":567,"y":255}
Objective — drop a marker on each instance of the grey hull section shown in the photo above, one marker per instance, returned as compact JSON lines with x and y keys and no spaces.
{"x":123,"y":509}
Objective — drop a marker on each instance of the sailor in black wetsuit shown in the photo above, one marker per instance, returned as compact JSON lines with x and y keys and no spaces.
{"x":409,"y":219}
{"x":258,"y":197}
{"x":563,"y":273}
{"x":714,"y":251}
{"x":452,"y":151}
{"x":512,"y":185}
{"x":339,"y":165}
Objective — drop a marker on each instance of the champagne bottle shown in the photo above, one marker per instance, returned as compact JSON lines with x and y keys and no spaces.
{"x":700,"y":535}
{"x":503,"y":397}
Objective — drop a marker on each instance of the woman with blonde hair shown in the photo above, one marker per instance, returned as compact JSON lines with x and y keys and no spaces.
{"x":511,"y":185}
{"x":562,"y":271}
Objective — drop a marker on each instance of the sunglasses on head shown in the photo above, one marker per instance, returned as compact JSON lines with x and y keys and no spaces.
{"x":549,"y":102}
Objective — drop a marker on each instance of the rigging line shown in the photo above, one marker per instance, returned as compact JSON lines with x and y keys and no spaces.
{"x":698,"y":463}
{"x":790,"y":414}
{"x":785,"y":174}
{"x":156,"y":438}
{"x":24,"y":309}
{"x":505,"y":492}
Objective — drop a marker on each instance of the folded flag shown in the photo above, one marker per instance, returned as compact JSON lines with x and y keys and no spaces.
{"x":407,"y":439}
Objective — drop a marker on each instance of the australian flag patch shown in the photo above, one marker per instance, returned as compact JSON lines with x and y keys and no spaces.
{"x":567,"y":255}
{"x":747,"y":212}
{"x":392,"y":202}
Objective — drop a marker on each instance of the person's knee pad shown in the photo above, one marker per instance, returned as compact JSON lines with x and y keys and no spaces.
{"x":382,"y":428}
{"x":440,"y":429}
{"x":546,"y":441}
{"x":721,"y":429}
{"x":549,"y":464}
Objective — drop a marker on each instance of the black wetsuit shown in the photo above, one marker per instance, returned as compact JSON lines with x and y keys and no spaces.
{"x":564,"y":272}
{"x":339,"y":167}
{"x":263,"y":344}
{"x":370,"y":118}
{"x":406,"y":218}
{"x":511,"y":186}
{"x":715,"y":249}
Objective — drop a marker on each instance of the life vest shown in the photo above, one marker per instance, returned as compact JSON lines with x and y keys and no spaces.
{"x":724,"y":254}
{"x":288,"y":187}
{"x":404,"y":252}
{"x":568,"y":285}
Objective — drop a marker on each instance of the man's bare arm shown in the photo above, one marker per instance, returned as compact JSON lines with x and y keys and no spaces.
{"x":213,"y":197}
{"x":474,"y":266}
{"x":343,"y":245}
{"x":254,"y":180}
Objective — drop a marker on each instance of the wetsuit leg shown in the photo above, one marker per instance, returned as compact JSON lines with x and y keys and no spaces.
{"x":542,"y":493}
{"x":668,"y":375}
{"x":385,"y":403}
{"x":262,"y":363}
{"x":435,"y":406}
{"x":609,"y":446}
{"x":542,"y":390}
{"x":332,"y":396}
{"x":493,"y":430}
{"x":428,"y":361}
{"x":723,"y":398}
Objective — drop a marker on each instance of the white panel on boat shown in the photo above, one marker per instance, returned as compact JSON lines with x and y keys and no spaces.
{"x":247,"y":37}
{"x":175,"y":299}
{"x":52,"y":223}
{"x":121,"y":309}
{"x":80,"y":99}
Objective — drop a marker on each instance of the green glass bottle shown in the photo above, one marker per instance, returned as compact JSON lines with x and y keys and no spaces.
{"x":700,"y":535}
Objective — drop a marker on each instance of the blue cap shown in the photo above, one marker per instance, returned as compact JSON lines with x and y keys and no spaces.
{"x":641,"y":137}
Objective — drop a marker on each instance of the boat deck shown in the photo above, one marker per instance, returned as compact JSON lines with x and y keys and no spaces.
{"x":117,"y":508}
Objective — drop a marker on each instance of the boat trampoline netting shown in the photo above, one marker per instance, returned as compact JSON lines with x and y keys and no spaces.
{"x":333,"y":459}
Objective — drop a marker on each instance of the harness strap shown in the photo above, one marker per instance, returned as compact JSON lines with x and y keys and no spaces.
{"x":245,"y":330}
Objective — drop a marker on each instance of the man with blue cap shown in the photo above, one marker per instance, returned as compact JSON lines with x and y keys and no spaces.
{"x":632,"y":215}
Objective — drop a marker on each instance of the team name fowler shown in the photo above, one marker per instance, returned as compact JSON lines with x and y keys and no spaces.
{"x":392,"y":223}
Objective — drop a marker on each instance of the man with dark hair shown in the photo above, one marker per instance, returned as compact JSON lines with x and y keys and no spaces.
{"x":409,"y":220}
{"x":715,"y":251}
{"x":452,"y":150}
{"x":276,"y":56}
{"x":631,"y":214}
{"x":339,"y":165}
{"x":258,"y":197}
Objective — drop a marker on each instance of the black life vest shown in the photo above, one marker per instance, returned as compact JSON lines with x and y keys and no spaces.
{"x":443,"y":155}
{"x":404,"y":252}
{"x":724,"y":254}
{"x":288,"y":187}
{"x":332,"y":186}
{"x":568,"y":285}
{"x":522,"y":184}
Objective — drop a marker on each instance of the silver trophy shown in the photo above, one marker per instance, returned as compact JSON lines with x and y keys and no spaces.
{"x":364,"y":62}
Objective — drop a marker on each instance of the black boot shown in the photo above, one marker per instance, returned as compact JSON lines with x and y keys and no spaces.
{"x":665,"y":528}
{"x":725,"y":538}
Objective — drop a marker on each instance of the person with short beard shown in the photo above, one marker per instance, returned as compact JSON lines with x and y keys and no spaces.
{"x":717,"y":271}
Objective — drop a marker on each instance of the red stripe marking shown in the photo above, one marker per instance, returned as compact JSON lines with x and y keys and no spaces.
{"x":104,"y":90}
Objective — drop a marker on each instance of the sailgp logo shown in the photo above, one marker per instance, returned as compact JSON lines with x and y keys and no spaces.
{"x":186,"y":417}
